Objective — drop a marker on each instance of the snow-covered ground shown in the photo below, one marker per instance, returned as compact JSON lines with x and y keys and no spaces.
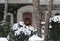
{"x":3,"y":39}
{"x":35,"y":38}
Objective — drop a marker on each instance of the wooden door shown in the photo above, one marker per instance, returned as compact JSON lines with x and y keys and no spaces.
{"x":27,"y":15}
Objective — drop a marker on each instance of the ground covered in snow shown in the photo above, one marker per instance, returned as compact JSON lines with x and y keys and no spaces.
{"x":3,"y":39}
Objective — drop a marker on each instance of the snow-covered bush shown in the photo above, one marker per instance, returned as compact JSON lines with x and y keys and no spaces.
{"x":55,"y":30}
{"x":55,"y":18}
{"x":21,"y":32}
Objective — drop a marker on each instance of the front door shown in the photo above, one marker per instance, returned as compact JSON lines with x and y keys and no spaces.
{"x":27,"y":15}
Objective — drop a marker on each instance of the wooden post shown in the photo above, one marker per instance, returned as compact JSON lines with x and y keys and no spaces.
{"x":47,"y":17}
{"x":5,"y":10}
{"x":36,"y":6}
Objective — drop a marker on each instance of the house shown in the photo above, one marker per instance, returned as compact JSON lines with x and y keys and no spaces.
{"x":22,"y":8}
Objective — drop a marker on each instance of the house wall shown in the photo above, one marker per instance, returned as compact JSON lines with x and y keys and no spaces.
{"x":42,"y":2}
{"x":29,"y":8}
{"x":25,"y":9}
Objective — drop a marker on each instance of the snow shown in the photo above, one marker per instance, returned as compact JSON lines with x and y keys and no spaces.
{"x":15,"y":26}
{"x":50,"y":26}
{"x":43,"y":31}
{"x":25,"y":29}
{"x":3,"y":39}
{"x":42,"y":22}
{"x":55,"y":18}
{"x":35,"y":38}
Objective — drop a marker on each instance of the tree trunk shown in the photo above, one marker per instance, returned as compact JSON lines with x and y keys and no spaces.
{"x":36,"y":6}
{"x":5,"y":10}
{"x":47,"y":17}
